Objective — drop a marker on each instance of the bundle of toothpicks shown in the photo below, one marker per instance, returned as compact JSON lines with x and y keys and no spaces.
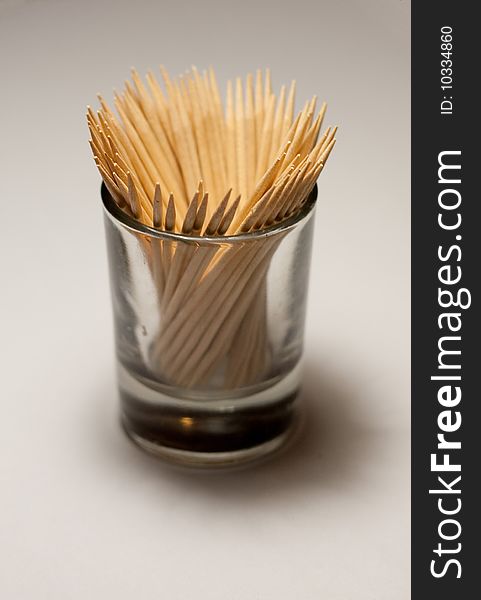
{"x":176,"y":160}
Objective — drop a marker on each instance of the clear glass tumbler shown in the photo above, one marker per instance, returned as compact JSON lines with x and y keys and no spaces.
{"x":209,"y":335}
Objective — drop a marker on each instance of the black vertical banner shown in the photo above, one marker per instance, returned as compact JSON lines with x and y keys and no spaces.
{"x":446,"y":256}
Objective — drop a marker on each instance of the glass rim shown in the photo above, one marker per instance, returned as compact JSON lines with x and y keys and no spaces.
{"x":115,"y":213}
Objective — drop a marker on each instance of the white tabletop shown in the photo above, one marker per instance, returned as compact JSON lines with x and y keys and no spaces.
{"x":83,"y":513}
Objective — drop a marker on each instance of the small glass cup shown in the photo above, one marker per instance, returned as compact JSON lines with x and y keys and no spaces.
{"x":209,"y":335}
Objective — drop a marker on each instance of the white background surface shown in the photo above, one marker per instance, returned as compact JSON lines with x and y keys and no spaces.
{"x":84,"y":514}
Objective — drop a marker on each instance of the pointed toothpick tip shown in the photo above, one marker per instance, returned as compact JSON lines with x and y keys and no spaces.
{"x":170,"y":214}
{"x":201,"y":214}
{"x":228,"y":217}
{"x":157,"y":207}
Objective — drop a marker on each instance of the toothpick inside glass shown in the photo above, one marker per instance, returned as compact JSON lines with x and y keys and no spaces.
{"x":209,"y":335}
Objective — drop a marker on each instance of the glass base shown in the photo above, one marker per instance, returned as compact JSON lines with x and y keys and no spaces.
{"x":221,"y":432}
